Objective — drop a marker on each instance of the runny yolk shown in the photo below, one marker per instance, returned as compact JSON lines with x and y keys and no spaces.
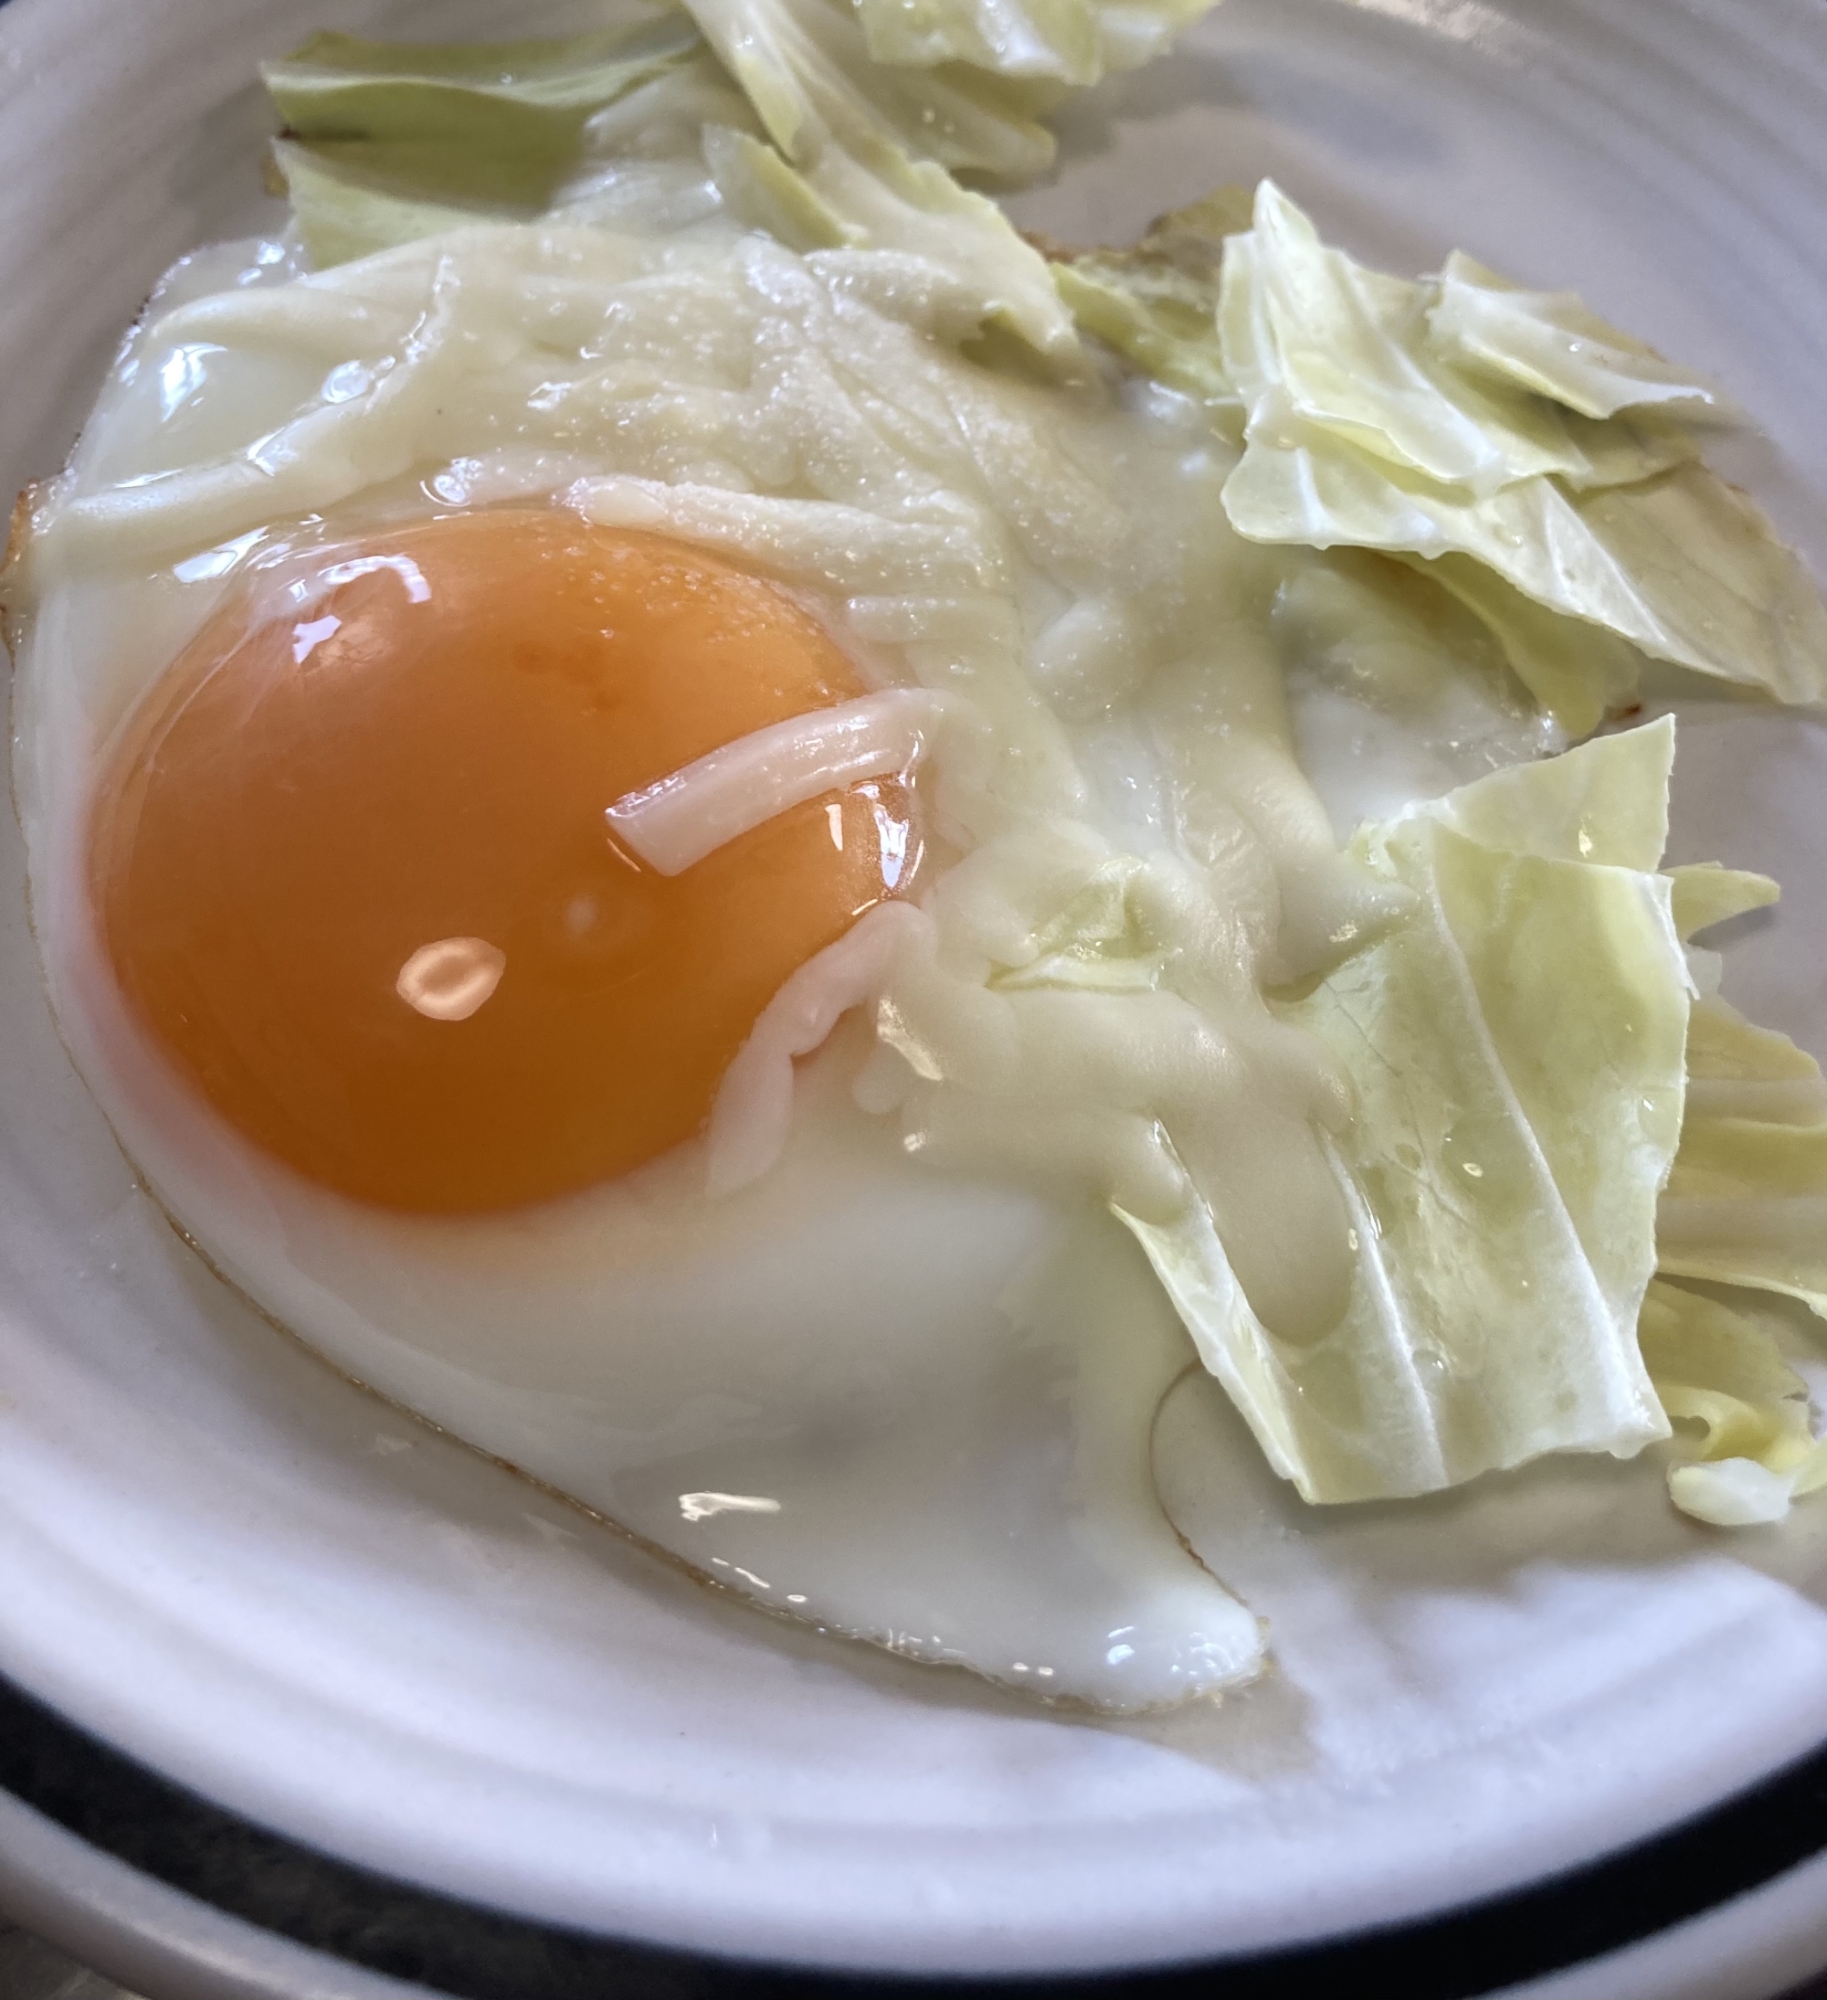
{"x":352,"y":867}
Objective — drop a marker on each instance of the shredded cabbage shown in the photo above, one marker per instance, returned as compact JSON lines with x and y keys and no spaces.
{"x":807,"y":68}
{"x":1514,"y":1045}
{"x":1550,"y":343}
{"x":1311,"y":338}
{"x":832,"y":148}
{"x":494,"y":124}
{"x":389,"y":142}
{"x":1724,"y":1370}
{"x":1746,"y":1203}
{"x":342,"y":214}
{"x":1069,"y":41}
{"x":870,"y":150}
{"x":1532,"y":456}
{"x":1157,"y":302}
{"x":1361,"y":432}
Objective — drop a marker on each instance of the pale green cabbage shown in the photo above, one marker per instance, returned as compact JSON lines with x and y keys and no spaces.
{"x":1311,"y":338}
{"x":1725,"y":1371}
{"x":1515,"y":1045}
{"x":1746,"y":1203}
{"x":341,"y":214}
{"x":867,"y":150}
{"x":1707,"y":893}
{"x":1363,"y":432}
{"x":1069,"y":41}
{"x":1680,"y":566}
{"x":389,"y":143}
{"x":486,"y":123}
{"x":880,"y":199}
{"x":1578,"y":672}
{"x":1534,"y":458}
{"x":1157,"y":302}
{"x":807,"y":69}
{"x":760,"y":189}
{"x":1551,"y":343}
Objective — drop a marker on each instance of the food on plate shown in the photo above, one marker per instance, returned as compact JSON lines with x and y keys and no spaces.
{"x":775,"y":852}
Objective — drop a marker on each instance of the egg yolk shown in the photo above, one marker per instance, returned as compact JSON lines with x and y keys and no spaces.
{"x":352,"y":868}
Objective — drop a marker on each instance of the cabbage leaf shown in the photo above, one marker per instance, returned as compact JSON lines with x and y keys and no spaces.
{"x":1070,"y":41}
{"x":1723,"y":1370}
{"x":1552,"y":344}
{"x":1362,"y":432}
{"x":834,"y":200}
{"x":806,"y":67}
{"x":387,"y":143}
{"x":493,"y":124}
{"x":1423,"y":419}
{"x":342,"y":213}
{"x":1515,"y":1043}
{"x":1746,"y":1203}
{"x":1157,"y":302}
{"x":1707,"y":894}
{"x":1680,"y":566}
{"x":1578,"y":672}
{"x":867,"y":150}
{"x":1310,"y":336}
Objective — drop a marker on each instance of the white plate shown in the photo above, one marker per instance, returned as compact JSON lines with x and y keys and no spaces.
{"x":222,"y":1558}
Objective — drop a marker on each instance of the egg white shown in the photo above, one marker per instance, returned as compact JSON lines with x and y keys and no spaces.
{"x":901,"y":1396}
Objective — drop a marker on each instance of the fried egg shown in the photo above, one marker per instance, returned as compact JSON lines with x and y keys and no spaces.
{"x":526,"y":740}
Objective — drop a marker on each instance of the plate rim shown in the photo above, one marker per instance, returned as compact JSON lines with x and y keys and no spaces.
{"x":117,"y":1805}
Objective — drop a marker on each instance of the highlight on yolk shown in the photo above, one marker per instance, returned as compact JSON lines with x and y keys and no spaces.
{"x":351,"y":863}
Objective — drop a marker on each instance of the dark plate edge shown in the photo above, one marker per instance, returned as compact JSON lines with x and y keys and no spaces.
{"x":401,"y":1931}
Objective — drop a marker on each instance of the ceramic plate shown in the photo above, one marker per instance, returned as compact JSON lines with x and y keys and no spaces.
{"x":227,"y":1562}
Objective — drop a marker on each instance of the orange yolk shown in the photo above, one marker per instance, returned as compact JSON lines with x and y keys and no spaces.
{"x":352,"y":867}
